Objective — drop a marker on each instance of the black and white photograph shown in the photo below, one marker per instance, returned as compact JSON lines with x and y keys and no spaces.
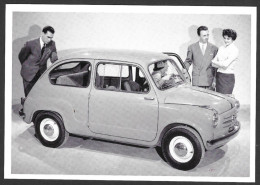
{"x":128,"y":92}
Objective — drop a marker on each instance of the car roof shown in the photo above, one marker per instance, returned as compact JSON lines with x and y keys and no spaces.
{"x":137,"y":56}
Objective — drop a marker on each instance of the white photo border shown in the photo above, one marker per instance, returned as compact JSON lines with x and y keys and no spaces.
{"x":10,"y":8}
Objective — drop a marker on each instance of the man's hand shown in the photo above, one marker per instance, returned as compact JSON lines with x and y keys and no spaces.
{"x":184,"y":71}
{"x":213,"y":85}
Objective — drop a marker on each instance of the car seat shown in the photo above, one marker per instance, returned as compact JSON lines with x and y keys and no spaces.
{"x":132,"y":86}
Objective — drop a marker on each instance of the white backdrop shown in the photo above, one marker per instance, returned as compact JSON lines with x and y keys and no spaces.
{"x":153,"y":31}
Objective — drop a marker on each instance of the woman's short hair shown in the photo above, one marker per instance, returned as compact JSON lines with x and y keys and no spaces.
{"x":205,"y":28}
{"x":230,"y":33}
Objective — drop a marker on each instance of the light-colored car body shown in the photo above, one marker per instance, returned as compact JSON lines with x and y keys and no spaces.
{"x":136,"y":118}
{"x":80,"y":108}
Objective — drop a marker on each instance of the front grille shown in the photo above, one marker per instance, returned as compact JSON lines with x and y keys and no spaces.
{"x":230,"y":119}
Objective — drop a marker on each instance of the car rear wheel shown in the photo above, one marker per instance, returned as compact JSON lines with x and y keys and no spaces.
{"x":181,"y":149}
{"x":50,"y":130}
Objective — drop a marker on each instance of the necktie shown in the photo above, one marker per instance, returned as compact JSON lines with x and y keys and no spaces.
{"x":203,"y":49}
{"x":43,"y":48}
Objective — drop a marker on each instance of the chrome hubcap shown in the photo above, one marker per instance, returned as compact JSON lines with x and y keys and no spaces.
{"x":49,"y":129}
{"x":181,"y":149}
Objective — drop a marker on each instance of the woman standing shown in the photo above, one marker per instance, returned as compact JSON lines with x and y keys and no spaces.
{"x":225,"y":61}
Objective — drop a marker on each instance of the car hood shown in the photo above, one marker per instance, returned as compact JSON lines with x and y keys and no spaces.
{"x":195,"y":96}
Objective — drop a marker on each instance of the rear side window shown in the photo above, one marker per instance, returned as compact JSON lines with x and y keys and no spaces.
{"x":109,"y":70}
{"x":74,"y":74}
{"x":121,"y":77}
{"x":108,"y":76}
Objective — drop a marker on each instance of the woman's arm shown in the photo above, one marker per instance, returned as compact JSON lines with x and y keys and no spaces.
{"x":225,"y":63}
{"x":215,"y":64}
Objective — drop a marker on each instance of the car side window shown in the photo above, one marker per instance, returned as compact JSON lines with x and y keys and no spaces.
{"x":74,"y":74}
{"x":119,"y":77}
{"x":136,"y":82}
{"x":108,"y":76}
{"x":166,"y":74}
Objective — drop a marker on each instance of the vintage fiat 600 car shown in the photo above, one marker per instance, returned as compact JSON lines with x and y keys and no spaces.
{"x":136,"y":97}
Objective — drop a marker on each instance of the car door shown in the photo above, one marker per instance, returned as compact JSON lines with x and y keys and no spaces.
{"x":180,"y":64}
{"x":71,"y":84}
{"x":117,"y":111}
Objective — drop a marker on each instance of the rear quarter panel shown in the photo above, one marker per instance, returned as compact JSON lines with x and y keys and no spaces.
{"x":44,"y":96}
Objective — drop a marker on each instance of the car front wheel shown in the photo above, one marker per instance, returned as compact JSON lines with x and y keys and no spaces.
{"x":50,"y":130}
{"x":181,"y":149}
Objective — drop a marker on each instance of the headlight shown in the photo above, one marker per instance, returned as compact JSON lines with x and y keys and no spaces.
{"x":215,"y":119}
{"x":237,"y":105}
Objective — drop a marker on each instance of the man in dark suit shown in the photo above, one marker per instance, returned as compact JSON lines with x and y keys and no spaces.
{"x":34,"y":55}
{"x":200,"y":55}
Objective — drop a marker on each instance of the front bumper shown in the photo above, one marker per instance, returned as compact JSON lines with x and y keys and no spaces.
{"x":223,"y":140}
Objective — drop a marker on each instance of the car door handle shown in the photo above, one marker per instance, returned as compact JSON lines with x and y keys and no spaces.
{"x":148,"y":98}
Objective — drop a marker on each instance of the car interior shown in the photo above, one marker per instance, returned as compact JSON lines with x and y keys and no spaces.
{"x":75,"y":74}
{"x":134,"y":82}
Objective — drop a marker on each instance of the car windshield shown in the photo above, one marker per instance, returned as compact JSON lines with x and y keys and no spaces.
{"x":166,"y":74}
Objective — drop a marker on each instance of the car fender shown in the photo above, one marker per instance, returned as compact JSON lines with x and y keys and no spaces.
{"x":197,"y":118}
{"x":65,"y":110}
{"x":180,"y":125}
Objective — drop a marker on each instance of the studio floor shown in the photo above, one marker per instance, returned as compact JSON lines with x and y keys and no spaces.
{"x":96,"y":157}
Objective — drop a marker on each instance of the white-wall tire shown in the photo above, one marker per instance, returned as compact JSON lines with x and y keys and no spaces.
{"x":181,"y":148}
{"x":50,"y":130}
